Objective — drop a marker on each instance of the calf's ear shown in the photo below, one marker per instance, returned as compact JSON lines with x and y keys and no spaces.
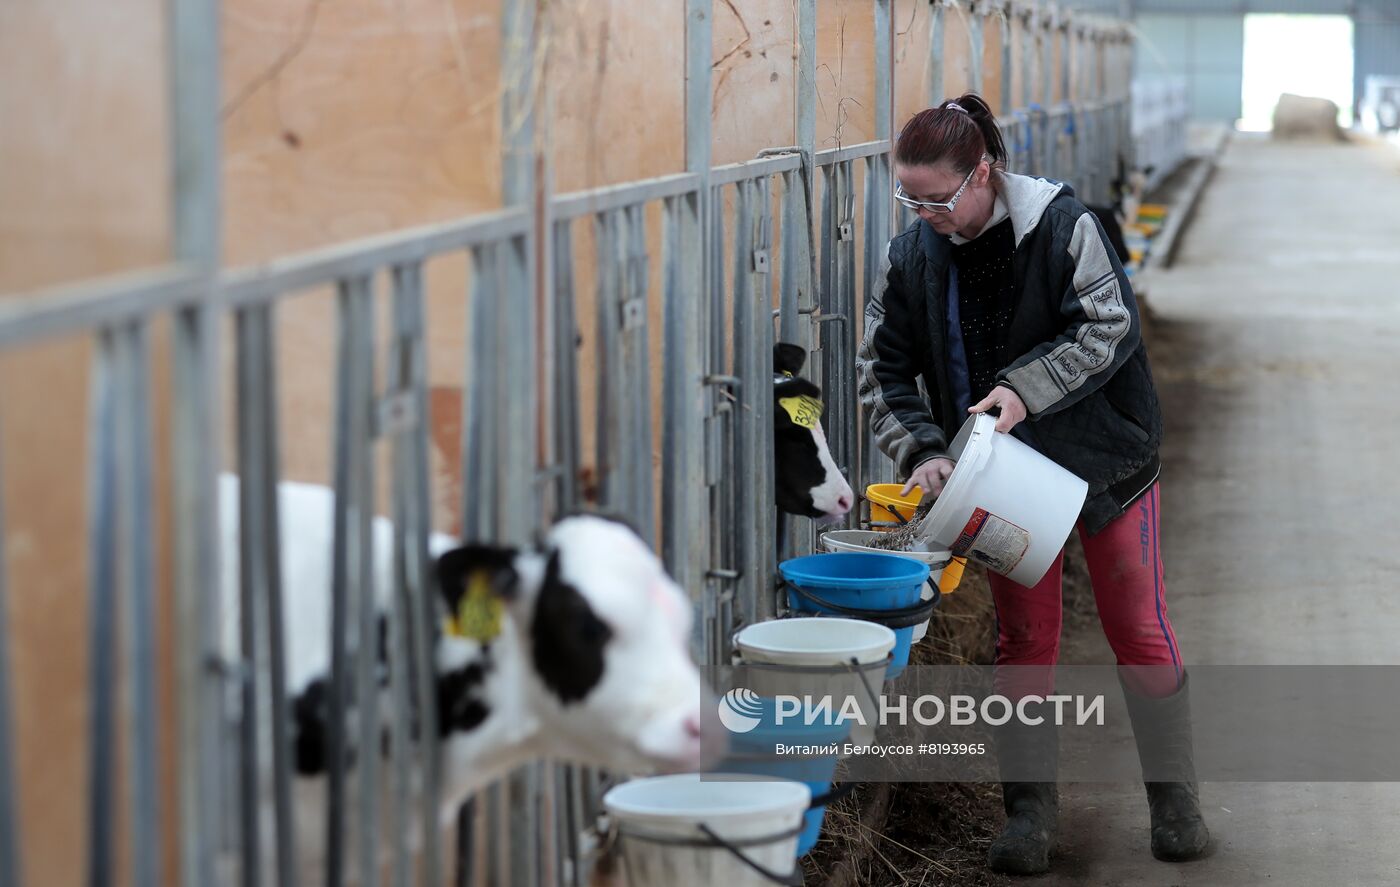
{"x":476,"y":581}
{"x":788,"y":358}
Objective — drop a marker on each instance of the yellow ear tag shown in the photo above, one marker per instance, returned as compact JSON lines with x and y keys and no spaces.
{"x":479,"y":612}
{"x":805,"y":411}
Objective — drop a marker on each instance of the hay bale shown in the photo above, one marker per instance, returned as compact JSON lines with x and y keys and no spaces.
{"x":1306,"y":117}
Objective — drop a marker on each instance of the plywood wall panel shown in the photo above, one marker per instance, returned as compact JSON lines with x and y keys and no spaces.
{"x":617,"y":81}
{"x":347,"y":119}
{"x":755,"y":67}
{"x":912,"y":59}
{"x":84,"y":191}
{"x":845,"y":73}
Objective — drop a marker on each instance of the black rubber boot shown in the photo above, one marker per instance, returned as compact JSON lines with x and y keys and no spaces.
{"x":1162,"y":729}
{"x":1032,"y":808}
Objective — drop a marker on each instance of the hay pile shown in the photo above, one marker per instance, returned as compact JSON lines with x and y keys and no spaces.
{"x":884,"y":835}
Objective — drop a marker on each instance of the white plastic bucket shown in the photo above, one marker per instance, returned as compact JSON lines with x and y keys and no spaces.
{"x":659,"y":825}
{"x":823,"y":644}
{"x":859,"y":540}
{"x":1005,"y":506}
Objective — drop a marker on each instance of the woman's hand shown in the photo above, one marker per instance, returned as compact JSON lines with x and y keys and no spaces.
{"x":929,"y":476}
{"x":1013,"y":409}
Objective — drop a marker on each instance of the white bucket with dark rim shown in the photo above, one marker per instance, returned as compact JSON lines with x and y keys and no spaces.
{"x":728,"y":830}
{"x":1005,"y":506}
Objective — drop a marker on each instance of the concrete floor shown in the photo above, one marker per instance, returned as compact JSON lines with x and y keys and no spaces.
{"x":1276,"y":351}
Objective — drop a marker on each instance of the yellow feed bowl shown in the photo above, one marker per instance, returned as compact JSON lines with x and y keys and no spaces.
{"x":885,"y":502}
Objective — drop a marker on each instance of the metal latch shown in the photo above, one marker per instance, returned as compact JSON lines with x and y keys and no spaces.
{"x":760,"y":261}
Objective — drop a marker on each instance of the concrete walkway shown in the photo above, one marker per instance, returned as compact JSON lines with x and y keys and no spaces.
{"x":1276,"y":346}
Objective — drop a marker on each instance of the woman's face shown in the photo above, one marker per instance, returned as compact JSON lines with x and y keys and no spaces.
{"x":938,"y":184}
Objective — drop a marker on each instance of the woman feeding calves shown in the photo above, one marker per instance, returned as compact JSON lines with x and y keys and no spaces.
{"x":1006,"y":296}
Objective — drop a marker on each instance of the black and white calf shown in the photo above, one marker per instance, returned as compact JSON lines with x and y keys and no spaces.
{"x":807,"y":479}
{"x":577,"y":650}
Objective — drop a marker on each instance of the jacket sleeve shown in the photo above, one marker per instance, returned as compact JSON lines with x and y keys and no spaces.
{"x":888,"y":367}
{"x":1102,"y":329}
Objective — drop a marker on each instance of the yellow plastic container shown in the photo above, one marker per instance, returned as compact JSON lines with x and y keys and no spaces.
{"x":952,"y":575}
{"x":885,"y":502}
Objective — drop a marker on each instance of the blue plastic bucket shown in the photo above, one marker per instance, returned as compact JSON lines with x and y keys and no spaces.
{"x":754,"y":752}
{"x":883,"y":588}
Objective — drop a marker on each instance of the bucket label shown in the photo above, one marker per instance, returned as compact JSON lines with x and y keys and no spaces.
{"x":997,"y":544}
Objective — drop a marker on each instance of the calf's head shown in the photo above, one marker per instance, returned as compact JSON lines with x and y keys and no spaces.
{"x":598,"y":646}
{"x":808,"y":481}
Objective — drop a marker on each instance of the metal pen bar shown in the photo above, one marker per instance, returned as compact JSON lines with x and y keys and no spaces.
{"x":935,"y":53}
{"x":637,"y":364}
{"x":976,"y":45}
{"x":137,"y":604}
{"x":613,"y":484}
{"x":398,"y":417}
{"x":199,"y":687}
{"x":877,"y":233}
{"x":599,"y":201}
{"x":546,"y":818}
{"x":479,"y":457}
{"x":570,"y":822}
{"x":679,"y":405}
{"x":686,"y":498}
{"x":884,"y":71}
{"x":722,"y":477}
{"x":270,"y":471}
{"x":364,"y":593}
{"x":102,"y":563}
{"x":1008,"y":102}
{"x":834,"y":156}
{"x":876,"y":236}
{"x":350,"y":427}
{"x":413,"y":520}
{"x":252,"y":576}
{"x":733,"y":173}
{"x":761,"y":322}
{"x":358,"y":258}
{"x":519,"y":514}
{"x":28,"y":318}
{"x":11,"y":865}
{"x":844,"y":353}
{"x":747,"y":453}
{"x":196,"y":179}
{"x":1028,"y":77}
{"x":1046,"y":41}
{"x":517,"y":505}
{"x":788,"y":276}
{"x":567,"y":449}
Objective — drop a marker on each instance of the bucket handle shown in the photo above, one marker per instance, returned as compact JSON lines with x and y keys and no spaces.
{"x":791,"y":879}
{"x":903,"y":617}
{"x":835,"y":794}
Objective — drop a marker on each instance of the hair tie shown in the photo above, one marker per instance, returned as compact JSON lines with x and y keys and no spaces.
{"x":954,"y":106}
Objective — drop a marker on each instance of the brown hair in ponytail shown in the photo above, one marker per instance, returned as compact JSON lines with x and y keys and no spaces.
{"x":947,"y":135}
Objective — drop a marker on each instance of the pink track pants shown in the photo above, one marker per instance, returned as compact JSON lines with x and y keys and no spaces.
{"x":1125,"y":568}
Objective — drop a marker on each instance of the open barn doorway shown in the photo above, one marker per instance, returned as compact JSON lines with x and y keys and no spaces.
{"x":1308,"y":55}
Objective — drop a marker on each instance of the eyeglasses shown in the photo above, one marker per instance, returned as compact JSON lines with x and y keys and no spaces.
{"x":929,"y":205}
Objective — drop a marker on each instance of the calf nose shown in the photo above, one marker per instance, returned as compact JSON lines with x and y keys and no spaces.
{"x":692,"y":726}
{"x":843,"y":502}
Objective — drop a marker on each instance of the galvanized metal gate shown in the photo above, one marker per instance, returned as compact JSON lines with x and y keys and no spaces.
{"x":728,"y":286}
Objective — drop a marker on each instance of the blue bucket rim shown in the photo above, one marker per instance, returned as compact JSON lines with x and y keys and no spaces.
{"x":913,"y":571}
